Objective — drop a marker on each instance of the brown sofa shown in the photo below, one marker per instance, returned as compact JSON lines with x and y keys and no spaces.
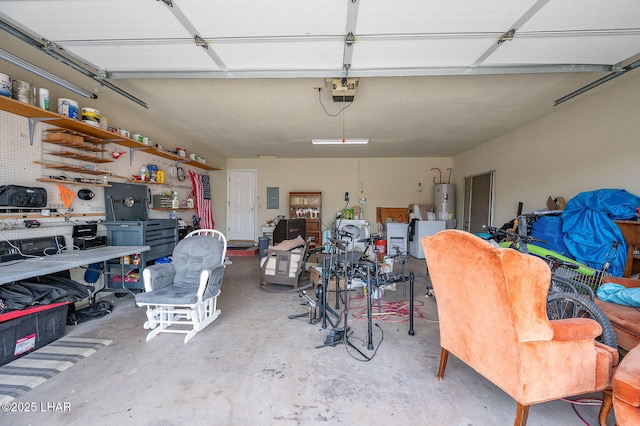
{"x":624,"y":319}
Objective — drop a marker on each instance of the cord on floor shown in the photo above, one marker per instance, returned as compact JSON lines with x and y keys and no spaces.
{"x":387,"y":311}
{"x":582,"y":401}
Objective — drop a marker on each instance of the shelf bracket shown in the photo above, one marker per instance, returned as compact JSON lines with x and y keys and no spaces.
{"x":32,"y":125}
{"x":131,"y":151}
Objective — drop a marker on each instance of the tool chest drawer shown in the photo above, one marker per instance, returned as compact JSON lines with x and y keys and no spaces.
{"x":159,"y":234}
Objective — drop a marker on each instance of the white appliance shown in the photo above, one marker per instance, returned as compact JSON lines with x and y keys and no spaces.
{"x":358,"y":229}
{"x":423,"y":228}
{"x":445,"y":201}
{"x":396,"y":234}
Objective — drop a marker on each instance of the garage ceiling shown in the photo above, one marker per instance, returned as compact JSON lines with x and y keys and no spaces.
{"x":254,"y":78}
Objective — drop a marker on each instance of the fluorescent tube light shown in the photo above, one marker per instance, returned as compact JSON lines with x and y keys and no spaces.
{"x":340,"y":141}
{"x":45,"y":74}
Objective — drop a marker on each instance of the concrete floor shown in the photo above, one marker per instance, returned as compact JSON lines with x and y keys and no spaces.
{"x":254,"y":366}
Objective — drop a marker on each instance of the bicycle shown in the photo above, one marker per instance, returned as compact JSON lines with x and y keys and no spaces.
{"x":572,"y":286}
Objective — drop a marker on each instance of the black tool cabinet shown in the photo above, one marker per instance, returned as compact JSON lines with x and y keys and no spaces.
{"x":159,"y":234}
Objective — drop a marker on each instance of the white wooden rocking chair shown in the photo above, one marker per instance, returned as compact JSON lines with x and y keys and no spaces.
{"x":185,"y":292}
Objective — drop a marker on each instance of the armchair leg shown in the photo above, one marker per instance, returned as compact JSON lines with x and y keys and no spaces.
{"x":444,"y":356}
{"x":607,"y":404}
{"x":522,"y":413}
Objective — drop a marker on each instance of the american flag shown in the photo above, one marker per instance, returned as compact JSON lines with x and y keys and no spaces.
{"x":202,"y":192}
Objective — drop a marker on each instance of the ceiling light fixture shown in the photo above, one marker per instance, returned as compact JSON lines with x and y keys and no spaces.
{"x":340,"y":141}
{"x":28,"y":66}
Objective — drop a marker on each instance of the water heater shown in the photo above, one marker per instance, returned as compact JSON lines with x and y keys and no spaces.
{"x":445,"y":201}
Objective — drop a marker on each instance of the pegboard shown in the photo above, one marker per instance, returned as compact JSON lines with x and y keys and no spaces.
{"x":16,"y":152}
{"x":19,"y":154}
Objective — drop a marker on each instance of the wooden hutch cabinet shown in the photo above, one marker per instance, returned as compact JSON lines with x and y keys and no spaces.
{"x":308,"y":205}
{"x":631,"y":233}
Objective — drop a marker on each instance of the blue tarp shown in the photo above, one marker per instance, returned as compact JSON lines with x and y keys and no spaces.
{"x":549,"y":230}
{"x":616,"y":293}
{"x":590,"y":231}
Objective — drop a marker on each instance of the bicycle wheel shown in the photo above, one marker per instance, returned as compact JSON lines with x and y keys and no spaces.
{"x":561,"y":286}
{"x":564,"y":285}
{"x":570,"y":305}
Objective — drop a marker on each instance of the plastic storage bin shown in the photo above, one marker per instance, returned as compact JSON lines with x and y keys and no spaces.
{"x":24,"y":334}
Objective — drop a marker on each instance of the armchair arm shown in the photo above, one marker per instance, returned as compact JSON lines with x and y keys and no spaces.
{"x":575,"y":329}
{"x":158,"y":276}
{"x":210,"y":282}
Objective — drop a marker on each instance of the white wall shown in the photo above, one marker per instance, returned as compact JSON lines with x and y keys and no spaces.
{"x":591,"y":142}
{"x":385,"y":182}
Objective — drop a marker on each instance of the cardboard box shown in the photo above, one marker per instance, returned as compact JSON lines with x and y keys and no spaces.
{"x":386,"y":267}
{"x":332,"y":284}
{"x":65,"y":137}
{"x":315,"y":277}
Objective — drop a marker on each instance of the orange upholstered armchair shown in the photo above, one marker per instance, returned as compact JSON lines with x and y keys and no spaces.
{"x":626,"y":389}
{"x":492,"y":312}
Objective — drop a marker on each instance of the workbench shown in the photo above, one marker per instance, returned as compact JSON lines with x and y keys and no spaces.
{"x":68,"y":259}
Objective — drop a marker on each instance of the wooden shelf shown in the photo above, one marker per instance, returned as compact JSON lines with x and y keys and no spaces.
{"x":145,"y":182}
{"x":149,"y":182}
{"x":308,"y":205}
{"x":72,"y":182}
{"x":12,"y":215}
{"x":88,"y":148}
{"x":87,"y":138}
{"x":69,"y":168}
{"x":80,"y":157}
{"x":38,"y":114}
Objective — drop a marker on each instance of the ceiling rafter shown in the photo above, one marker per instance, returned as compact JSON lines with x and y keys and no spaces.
{"x":357,"y":37}
{"x":349,"y":41}
{"x":198,"y":39}
{"x":55,"y":51}
{"x":373,"y":72}
{"x":508,"y":35}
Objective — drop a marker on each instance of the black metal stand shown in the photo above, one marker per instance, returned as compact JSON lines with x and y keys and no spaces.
{"x":337,"y":336}
{"x":411,"y":280}
{"x":312,"y":315}
{"x":345,"y":270}
{"x":369,"y":309}
{"x":429,"y":289}
{"x":321,"y":293}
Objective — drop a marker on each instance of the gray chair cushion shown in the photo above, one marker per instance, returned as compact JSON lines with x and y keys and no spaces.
{"x":172,"y":295}
{"x":190,"y":257}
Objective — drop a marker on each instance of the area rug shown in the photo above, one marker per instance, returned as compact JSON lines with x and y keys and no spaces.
{"x":242,"y":251}
{"x":24,"y":374}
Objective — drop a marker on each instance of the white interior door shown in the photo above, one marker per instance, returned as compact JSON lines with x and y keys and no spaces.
{"x":241,"y":212}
